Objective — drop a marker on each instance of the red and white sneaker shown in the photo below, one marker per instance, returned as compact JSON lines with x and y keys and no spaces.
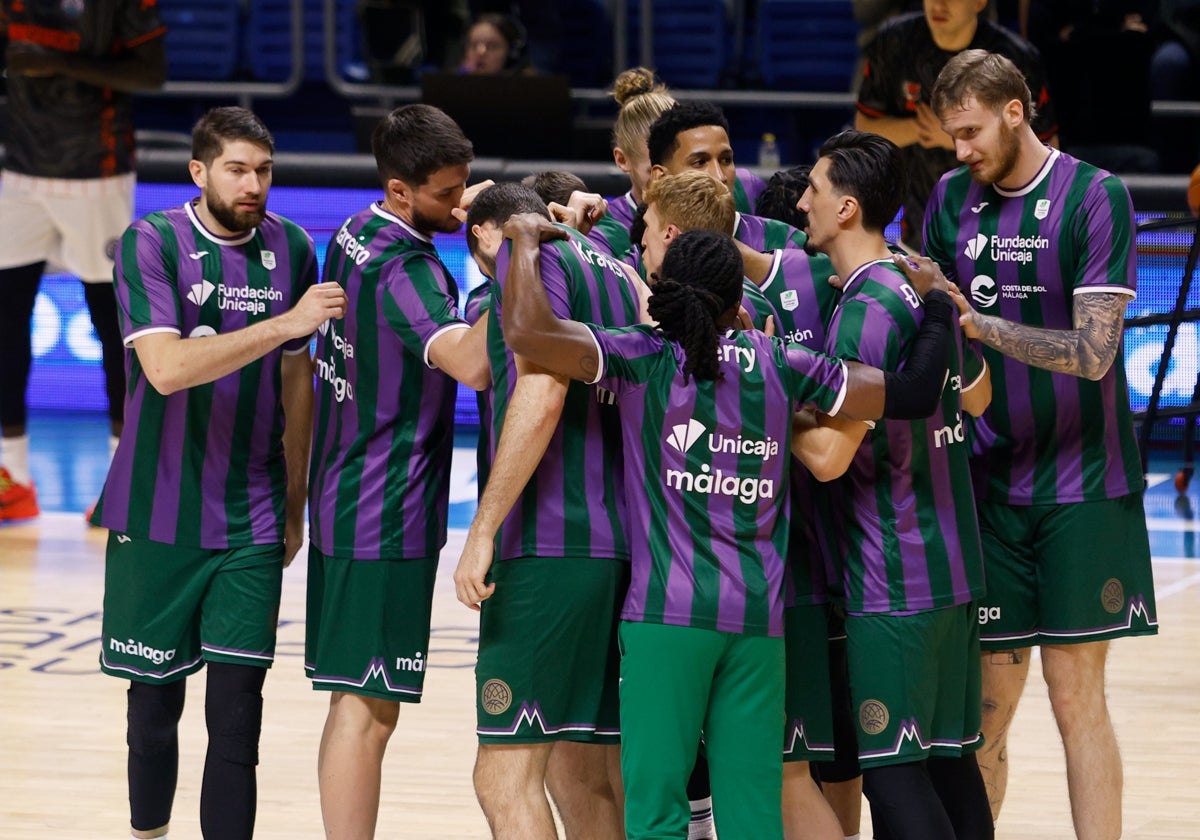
{"x":17,"y":501}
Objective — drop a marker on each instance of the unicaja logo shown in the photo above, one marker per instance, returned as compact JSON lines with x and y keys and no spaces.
{"x":975,"y":246}
{"x":200,"y":292}
{"x":324,"y":328}
{"x":983,"y":290}
{"x":683,"y":436}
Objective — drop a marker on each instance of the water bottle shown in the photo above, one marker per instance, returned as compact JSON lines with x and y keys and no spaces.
{"x":768,"y":152}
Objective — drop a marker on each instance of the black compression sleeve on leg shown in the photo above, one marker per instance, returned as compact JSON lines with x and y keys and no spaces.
{"x":904,"y":803}
{"x":844,"y":766}
{"x":20,"y":286}
{"x":913,"y":393}
{"x":102,"y":306}
{"x":960,"y":785}
{"x":153,"y":739}
{"x":233,"y":713}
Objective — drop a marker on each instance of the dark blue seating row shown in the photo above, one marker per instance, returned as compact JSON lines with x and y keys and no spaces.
{"x":792,"y":44}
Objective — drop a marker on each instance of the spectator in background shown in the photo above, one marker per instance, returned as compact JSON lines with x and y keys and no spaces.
{"x":1175,"y":75}
{"x":901,"y":65}
{"x":496,"y":44}
{"x":1097,"y":57}
{"x":68,"y":186}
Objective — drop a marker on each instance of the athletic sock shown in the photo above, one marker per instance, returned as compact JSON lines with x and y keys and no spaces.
{"x":14,"y":454}
{"x":700,"y":826}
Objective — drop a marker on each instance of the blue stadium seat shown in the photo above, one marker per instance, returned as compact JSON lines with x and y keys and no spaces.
{"x":689,"y":41}
{"x":202,"y":38}
{"x":807,"y":44}
{"x":268,"y":43}
{"x":587,"y":47}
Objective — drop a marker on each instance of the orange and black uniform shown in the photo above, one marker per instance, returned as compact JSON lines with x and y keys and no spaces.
{"x":901,"y":65}
{"x":60,"y":127}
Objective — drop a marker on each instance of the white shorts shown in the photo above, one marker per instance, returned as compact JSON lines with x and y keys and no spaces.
{"x":74,"y":224}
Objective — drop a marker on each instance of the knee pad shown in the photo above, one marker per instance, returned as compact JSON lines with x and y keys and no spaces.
{"x":234,"y":726}
{"x":153,"y":716}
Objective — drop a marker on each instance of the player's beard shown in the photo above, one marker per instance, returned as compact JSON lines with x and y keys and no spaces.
{"x":233,"y":219}
{"x":428,"y":224}
{"x":1006,"y":158}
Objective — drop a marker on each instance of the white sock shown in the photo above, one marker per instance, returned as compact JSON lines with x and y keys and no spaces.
{"x":113,"y":440}
{"x":853,"y":837}
{"x":701,"y":823}
{"x":15,"y":457}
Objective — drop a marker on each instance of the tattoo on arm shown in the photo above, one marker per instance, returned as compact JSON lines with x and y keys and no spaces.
{"x":1087,"y":350}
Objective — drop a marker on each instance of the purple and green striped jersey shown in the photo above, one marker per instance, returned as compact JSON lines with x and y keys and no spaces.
{"x":383,"y":433}
{"x":204,"y":467}
{"x":622,"y":209}
{"x":746,"y":189}
{"x":1024,"y":255}
{"x":757,"y":306}
{"x":706,"y":465}
{"x":763,"y":234}
{"x":479,"y":302}
{"x":799,"y":291}
{"x":908,"y":534}
{"x":574,"y":505}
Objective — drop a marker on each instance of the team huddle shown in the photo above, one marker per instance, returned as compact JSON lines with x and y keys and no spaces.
{"x":771,"y":511}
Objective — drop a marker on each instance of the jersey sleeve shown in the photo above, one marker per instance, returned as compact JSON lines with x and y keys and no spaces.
{"x":879,"y":73}
{"x":974,"y":366}
{"x":1104,"y":240}
{"x":138,"y":22}
{"x":418,"y":301}
{"x":811,"y":379}
{"x":628,"y":356}
{"x":757,"y":306}
{"x":147,"y":297}
{"x":940,"y":231}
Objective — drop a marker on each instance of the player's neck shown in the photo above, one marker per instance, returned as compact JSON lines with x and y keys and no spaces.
{"x":855,"y":248}
{"x":402,"y":212}
{"x":1030,"y":160}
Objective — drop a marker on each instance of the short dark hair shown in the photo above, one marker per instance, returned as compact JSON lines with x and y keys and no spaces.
{"x":868,"y":167}
{"x":780,"y":197}
{"x":554,"y":185}
{"x":992,"y":79}
{"x":415,"y":141}
{"x":499,"y":201}
{"x":680,"y":117}
{"x":226,"y":125}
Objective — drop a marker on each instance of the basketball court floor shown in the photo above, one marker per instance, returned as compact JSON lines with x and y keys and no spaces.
{"x":62,"y":723}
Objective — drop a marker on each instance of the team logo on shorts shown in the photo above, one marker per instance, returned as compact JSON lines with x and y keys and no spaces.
{"x":1112,"y":596}
{"x":873,"y":717}
{"x":495,"y":697}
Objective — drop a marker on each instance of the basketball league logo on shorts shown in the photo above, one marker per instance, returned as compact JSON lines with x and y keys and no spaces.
{"x":495,"y":697}
{"x":873,"y":717}
{"x":1112,"y":596}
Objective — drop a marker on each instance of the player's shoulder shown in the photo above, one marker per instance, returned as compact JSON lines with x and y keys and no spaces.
{"x":294,"y":232}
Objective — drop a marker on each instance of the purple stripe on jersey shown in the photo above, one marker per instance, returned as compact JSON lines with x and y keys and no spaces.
{"x":622,"y":208}
{"x":751,"y":184}
{"x":170,"y":464}
{"x":751,"y":231}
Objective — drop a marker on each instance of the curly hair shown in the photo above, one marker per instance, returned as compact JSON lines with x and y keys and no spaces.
{"x":701,"y":279}
{"x":782,"y":194}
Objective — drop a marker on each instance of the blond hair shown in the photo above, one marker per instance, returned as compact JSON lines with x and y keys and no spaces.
{"x":642,"y":98}
{"x":990,"y":79}
{"x":693,"y":201}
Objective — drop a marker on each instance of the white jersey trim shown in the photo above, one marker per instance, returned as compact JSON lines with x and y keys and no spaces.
{"x":1109,"y":290}
{"x":1037,"y":179}
{"x":212,"y":237}
{"x":303,"y":349}
{"x":978,"y":378}
{"x":379,"y":210}
{"x":774,"y":272}
{"x":461,"y":325}
{"x":841,"y":397}
{"x":134,"y":336}
{"x":599,"y":357}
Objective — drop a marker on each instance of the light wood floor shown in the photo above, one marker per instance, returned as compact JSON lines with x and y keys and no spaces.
{"x":62,"y":723}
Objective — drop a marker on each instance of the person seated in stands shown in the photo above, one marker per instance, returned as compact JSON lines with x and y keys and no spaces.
{"x":901,"y":65}
{"x":496,"y":44}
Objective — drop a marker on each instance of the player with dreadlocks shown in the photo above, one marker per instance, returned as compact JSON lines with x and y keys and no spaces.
{"x":706,"y":419}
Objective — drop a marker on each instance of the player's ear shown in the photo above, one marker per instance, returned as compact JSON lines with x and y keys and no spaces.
{"x":199,"y":173}
{"x":1014,"y":113}
{"x":400,"y":191}
{"x":847,"y":208}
